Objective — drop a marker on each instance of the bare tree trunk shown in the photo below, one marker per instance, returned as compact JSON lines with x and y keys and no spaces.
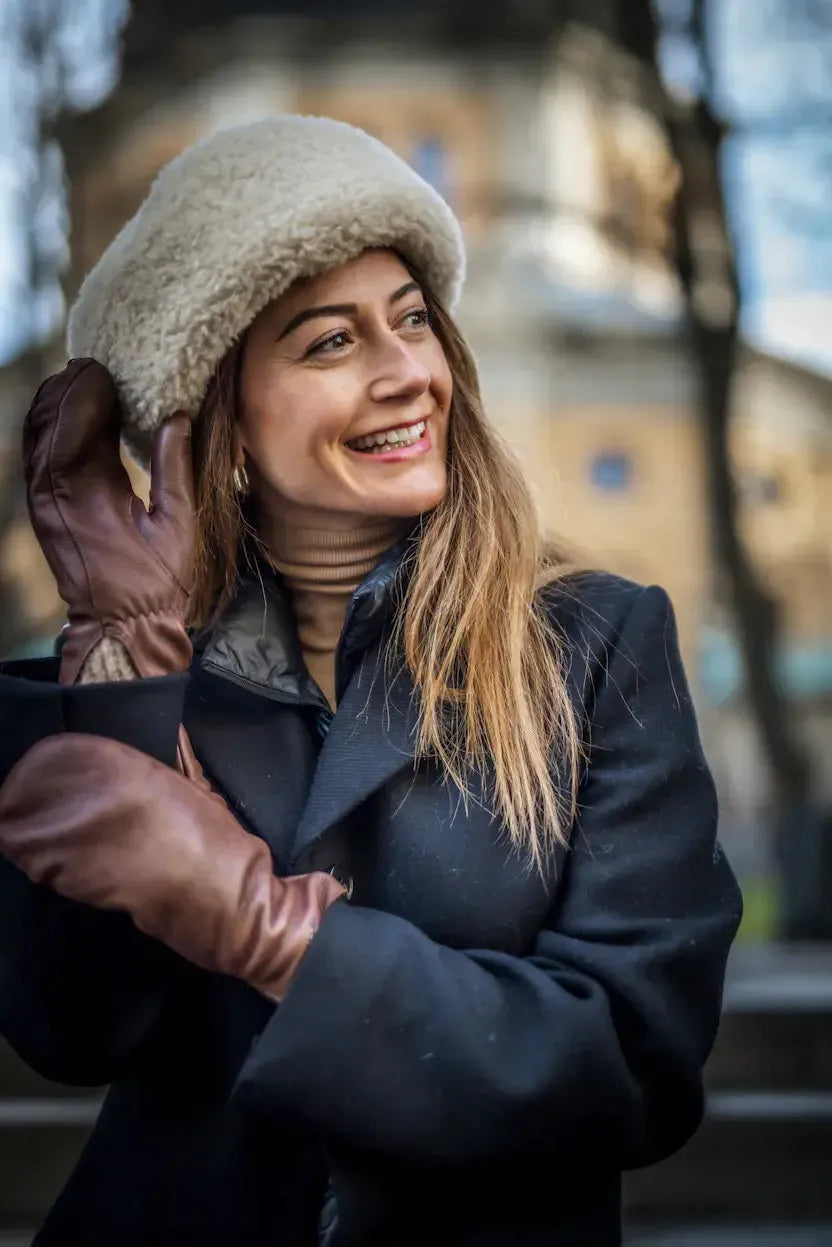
{"x":707,"y":271}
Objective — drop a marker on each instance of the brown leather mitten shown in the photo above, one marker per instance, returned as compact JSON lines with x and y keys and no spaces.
{"x":106,"y":825}
{"x":124,"y":572}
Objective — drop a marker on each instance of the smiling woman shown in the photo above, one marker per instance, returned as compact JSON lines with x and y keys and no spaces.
{"x":362,"y":845}
{"x":345,"y":355}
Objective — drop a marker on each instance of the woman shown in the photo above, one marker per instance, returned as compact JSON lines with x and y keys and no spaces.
{"x":394,"y":914}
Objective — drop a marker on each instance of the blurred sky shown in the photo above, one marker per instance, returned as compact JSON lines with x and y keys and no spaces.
{"x":83,"y":73}
{"x":773,"y":83}
{"x":772,"y":80}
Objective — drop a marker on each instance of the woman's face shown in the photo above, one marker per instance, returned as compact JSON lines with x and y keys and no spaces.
{"x":344,"y":356}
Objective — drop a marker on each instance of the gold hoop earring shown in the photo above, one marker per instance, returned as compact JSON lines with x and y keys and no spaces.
{"x":239,"y":479}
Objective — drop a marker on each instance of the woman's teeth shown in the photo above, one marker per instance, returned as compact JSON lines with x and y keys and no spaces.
{"x":376,"y":442}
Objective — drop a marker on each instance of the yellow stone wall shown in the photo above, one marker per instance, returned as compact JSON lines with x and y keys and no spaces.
{"x":404,"y":117}
{"x":655,"y":530}
{"x":786,"y":519}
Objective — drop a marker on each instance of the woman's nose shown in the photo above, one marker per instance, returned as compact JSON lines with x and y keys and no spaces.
{"x":398,"y":372}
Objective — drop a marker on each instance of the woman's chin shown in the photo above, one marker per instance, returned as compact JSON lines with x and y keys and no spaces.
{"x":406,"y":502}
{"x":404,"y":493}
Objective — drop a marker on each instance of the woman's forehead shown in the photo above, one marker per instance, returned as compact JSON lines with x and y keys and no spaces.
{"x":374,"y":274}
{"x":368,"y":271}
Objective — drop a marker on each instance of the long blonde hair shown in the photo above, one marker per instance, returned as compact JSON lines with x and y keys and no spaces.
{"x":485,"y":660}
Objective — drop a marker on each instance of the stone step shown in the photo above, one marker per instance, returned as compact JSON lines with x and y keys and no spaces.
{"x":17,"y":1080}
{"x":711,"y":1235}
{"x":776,"y":1028}
{"x":758,"y":1156}
{"x":40,"y":1141}
{"x":80,"y":1111}
{"x":776,"y":1050}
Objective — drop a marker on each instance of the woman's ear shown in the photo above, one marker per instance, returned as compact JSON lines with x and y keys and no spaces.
{"x":239,"y":475}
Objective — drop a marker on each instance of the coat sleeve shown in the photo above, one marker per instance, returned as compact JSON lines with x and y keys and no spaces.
{"x":79,"y":988}
{"x":591,"y":1046}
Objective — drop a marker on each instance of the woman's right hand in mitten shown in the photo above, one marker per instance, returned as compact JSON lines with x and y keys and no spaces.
{"x":106,"y":825}
{"x":125,"y":572}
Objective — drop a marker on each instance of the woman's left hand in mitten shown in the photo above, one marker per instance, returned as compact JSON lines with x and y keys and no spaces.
{"x":125,"y":572}
{"x":104,"y":824}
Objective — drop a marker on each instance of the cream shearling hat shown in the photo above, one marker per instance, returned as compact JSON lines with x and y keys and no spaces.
{"x":229,"y":225}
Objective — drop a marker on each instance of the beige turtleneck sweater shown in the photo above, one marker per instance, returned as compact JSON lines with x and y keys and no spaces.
{"x":322,"y":568}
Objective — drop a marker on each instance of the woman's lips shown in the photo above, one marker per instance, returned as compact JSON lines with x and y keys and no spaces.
{"x":397,"y":452}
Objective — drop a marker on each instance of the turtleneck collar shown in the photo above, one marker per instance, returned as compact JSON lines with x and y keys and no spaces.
{"x":331,"y":561}
{"x":321,"y":569}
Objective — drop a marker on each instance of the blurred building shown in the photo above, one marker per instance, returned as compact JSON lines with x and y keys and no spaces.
{"x":782,"y":453}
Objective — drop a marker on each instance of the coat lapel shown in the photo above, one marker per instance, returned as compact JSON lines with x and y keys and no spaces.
{"x":258,"y":753}
{"x":371,"y":739}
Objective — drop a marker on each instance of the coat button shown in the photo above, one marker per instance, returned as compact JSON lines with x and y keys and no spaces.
{"x":346,"y":881}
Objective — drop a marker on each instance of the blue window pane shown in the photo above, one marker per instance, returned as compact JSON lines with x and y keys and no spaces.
{"x":430,"y":162}
{"x":613,"y":473}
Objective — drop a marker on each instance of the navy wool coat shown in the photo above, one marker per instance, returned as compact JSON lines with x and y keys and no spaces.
{"x":469,"y":1054}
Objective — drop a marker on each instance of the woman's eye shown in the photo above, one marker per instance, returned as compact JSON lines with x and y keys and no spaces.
{"x":334,"y":342}
{"x":419,"y":318}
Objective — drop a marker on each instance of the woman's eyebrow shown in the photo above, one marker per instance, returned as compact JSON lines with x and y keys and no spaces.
{"x":407,"y":288}
{"x":332,"y":309}
{"x":341,"y":309}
